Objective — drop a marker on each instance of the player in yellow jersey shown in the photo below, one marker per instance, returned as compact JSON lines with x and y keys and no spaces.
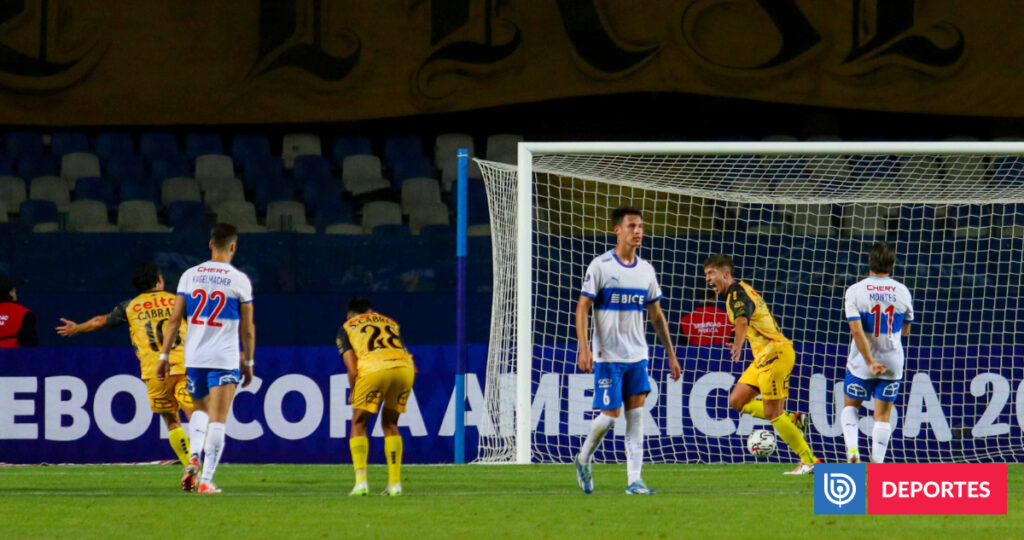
{"x":774,"y":358}
{"x":380,"y":373}
{"x":146,"y":316}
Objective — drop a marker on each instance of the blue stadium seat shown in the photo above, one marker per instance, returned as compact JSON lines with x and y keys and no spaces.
{"x":406,"y":167}
{"x":158,"y":144}
{"x":311,"y":169}
{"x":34,"y":211}
{"x":270,"y":190}
{"x":321,"y":193}
{"x":244,"y":147}
{"x":124,"y":168}
{"x":438,"y":231}
{"x":171,"y":167}
{"x":197,"y":144}
{"x":33,"y":165}
{"x":139,"y":191}
{"x":259,"y":170}
{"x":6,"y":166}
{"x":113,"y":143}
{"x":330,"y":213}
{"x":350,"y":146}
{"x":187,"y":216}
{"x":391,"y":229}
{"x":1006,"y":171}
{"x":23,"y":143}
{"x":476,"y":203}
{"x":65,"y":142}
{"x":397,"y":146}
{"x":95,"y":188}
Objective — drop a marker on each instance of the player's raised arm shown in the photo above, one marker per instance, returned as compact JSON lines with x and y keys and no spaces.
{"x":170,"y":335}
{"x":247,"y":332}
{"x":584,"y":358}
{"x":660,"y":324}
{"x":71,"y":328}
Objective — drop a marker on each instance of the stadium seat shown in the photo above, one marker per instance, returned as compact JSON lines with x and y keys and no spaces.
{"x":411,"y":167}
{"x":259,"y":170}
{"x":33,"y":165}
{"x":287,"y":216}
{"x":214,"y":166}
{"x":391,"y":229}
{"x":240,"y":214}
{"x":438,"y":231}
{"x":12,"y":191}
{"x":89,"y":216}
{"x":33,"y":212}
{"x":969,"y":220}
{"x":170,"y":167}
{"x":187,"y":215}
{"x":476,"y":202}
{"x":138,"y":216}
{"x":50,"y":188}
{"x":95,"y":188}
{"x":760,"y":218}
{"x":6,"y":165}
{"x":138,"y":191}
{"x":244,"y":147}
{"x":23,"y":143}
{"x":811,"y":219}
{"x":503,"y":148}
{"x":871,"y":220}
{"x":432,"y":214}
{"x":446,"y":150}
{"x":177,"y":189}
{"x":332,"y":213}
{"x":449,"y":176}
{"x":380,"y":213}
{"x":78,"y":164}
{"x":350,"y":146}
{"x":322,"y":193}
{"x":343,"y":228}
{"x":361,"y":174}
{"x":158,"y":145}
{"x":198,"y":144}
{"x":299,"y":144}
{"x":110,"y":144}
{"x":222,"y":190}
{"x":278,"y":189}
{"x":419,"y":192}
{"x":309,"y":169}
{"x":397,"y":146}
{"x":66,"y":142}
{"x":123,"y":168}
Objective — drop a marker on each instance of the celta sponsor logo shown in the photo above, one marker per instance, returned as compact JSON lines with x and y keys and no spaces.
{"x":937,"y":488}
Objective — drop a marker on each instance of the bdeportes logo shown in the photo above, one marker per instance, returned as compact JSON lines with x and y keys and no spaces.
{"x":840,"y":489}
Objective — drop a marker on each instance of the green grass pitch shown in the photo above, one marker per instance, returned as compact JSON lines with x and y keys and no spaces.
{"x":471,"y":501}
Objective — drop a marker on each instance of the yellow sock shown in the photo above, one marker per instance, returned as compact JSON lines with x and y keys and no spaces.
{"x":179,"y":442}
{"x":755,"y":408}
{"x":360,"y":447}
{"x":794,"y":439}
{"x":393,"y":455}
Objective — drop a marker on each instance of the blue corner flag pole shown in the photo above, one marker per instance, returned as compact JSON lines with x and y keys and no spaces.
{"x":461,"y":350}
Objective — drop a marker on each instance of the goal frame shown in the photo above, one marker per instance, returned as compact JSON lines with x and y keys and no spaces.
{"x":524,"y":218}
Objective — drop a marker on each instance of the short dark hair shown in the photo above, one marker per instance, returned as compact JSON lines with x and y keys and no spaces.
{"x":882,"y":258}
{"x":621,"y":212}
{"x":222,"y":234}
{"x":359,"y":305}
{"x":146,"y":276}
{"x":720,"y":260}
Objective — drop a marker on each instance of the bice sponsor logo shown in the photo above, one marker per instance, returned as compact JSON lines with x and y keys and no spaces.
{"x":934,"y":488}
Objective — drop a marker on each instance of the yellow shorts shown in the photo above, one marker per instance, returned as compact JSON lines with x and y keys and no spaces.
{"x":390,"y":387}
{"x":771,"y":376}
{"x":169,"y":396}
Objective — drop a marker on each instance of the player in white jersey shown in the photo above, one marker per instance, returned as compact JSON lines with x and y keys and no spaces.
{"x":620,"y":286}
{"x":879,"y":310}
{"x":217,"y":299}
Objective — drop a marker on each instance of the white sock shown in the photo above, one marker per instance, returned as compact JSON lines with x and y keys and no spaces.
{"x":880,"y":441}
{"x":214,"y":448}
{"x":850,"y":421}
{"x":197,"y":433}
{"x":634,"y":444}
{"x":598,"y":428}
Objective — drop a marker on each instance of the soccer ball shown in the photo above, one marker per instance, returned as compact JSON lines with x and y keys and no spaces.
{"x":761,"y":443}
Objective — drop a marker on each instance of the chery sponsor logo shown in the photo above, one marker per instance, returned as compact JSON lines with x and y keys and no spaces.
{"x":937,"y":488}
{"x":915,"y":488}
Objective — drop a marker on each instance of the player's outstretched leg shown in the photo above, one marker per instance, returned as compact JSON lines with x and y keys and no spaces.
{"x":790,"y":433}
{"x":850,"y":421}
{"x":599,"y":427}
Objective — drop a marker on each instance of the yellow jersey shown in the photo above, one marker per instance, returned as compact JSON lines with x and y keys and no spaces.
{"x":376,"y":341}
{"x":763,"y":334}
{"x":146,"y":315}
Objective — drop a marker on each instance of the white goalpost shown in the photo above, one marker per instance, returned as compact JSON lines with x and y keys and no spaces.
{"x":798,"y":218}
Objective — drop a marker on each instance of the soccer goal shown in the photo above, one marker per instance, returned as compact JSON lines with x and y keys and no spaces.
{"x":798,"y":219}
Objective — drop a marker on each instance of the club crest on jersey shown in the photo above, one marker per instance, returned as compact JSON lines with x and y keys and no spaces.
{"x":890,"y":390}
{"x":856,"y":390}
{"x":604,"y":383}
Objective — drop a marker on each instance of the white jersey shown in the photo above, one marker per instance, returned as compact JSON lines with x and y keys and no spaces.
{"x":620,"y":294}
{"x":213,"y":292}
{"x":883,"y":305}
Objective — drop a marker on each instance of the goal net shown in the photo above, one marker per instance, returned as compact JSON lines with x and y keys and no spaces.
{"x":798,"y":220}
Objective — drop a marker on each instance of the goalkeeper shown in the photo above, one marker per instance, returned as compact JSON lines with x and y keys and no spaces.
{"x":774,"y":358}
